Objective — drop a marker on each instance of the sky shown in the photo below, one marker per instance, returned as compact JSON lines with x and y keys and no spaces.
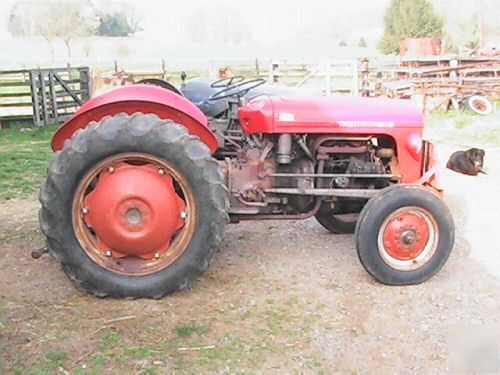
{"x":268,"y":20}
{"x":274,"y":20}
{"x":263,"y":28}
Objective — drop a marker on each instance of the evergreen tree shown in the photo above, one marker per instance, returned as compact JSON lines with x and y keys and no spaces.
{"x":409,"y":19}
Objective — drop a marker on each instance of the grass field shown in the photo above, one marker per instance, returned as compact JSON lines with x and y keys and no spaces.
{"x":463,"y":128}
{"x":24,"y":157}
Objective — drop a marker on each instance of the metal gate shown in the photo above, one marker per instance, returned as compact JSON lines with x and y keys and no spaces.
{"x":57,"y":93}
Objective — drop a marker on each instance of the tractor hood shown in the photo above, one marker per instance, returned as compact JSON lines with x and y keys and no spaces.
{"x":347,"y":111}
{"x":282,"y":114}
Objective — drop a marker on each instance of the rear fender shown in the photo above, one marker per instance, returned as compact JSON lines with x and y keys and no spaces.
{"x":138,"y":98}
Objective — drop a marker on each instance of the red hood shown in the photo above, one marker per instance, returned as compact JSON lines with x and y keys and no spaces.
{"x":346,"y":111}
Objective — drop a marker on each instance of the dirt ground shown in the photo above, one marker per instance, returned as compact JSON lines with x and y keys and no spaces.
{"x":279,"y":297}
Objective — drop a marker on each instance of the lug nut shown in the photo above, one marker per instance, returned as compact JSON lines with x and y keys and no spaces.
{"x":108,"y":253}
{"x":111,"y":169}
{"x":85,"y":210}
{"x":161,"y":171}
{"x":157,"y":255}
{"x":183,"y":214}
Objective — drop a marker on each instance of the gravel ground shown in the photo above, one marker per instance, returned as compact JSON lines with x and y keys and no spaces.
{"x":279,"y":297}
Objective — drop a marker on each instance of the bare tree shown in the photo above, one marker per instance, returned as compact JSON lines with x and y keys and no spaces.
{"x":20,"y":20}
{"x":74,"y":20}
{"x":51,"y":19}
{"x":44,"y":28}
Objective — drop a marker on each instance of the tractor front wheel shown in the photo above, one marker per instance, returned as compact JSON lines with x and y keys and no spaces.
{"x":404,"y":235}
{"x":133,"y":206}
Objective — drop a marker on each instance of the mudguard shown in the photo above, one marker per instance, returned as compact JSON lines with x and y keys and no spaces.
{"x":138,"y":98}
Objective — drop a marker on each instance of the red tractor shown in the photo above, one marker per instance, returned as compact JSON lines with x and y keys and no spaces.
{"x":142,"y":183}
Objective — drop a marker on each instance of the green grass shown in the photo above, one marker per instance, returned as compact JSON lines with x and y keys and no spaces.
{"x":50,"y":363}
{"x":24,"y":157}
{"x":187,"y":330}
{"x":463,"y":127}
{"x":109,"y":339}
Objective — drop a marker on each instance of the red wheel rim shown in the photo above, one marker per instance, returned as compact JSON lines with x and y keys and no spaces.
{"x":408,"y":238}
{"x":134,"y":210}
{"x":133,"y":214}
{"x":479,"y":105}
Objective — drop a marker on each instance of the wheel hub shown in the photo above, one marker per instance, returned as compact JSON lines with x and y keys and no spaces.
{"x":134,"y":210}
{"x":405,"y":236}
{"x":408,"y":237}
{"x":134,"y":216}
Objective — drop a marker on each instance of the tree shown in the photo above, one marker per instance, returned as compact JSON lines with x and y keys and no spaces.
{"x":64,"y":19}
{"x":118,"y":24}
{"x":362,"y":43}
{"x":473,"y":44}
{"x":409,"y":19}
{"x":20,"y":23}
{"x":342,"y":43}
{"x":87,"y":48}
{"x":73,"y":21}
{"x":30,"y":20}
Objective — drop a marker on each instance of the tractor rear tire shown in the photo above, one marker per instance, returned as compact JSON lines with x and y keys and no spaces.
{"x":162,"y":140}
{"x":335,"y":220}
{"x":404,"y":235}
{"x":159,"y":83}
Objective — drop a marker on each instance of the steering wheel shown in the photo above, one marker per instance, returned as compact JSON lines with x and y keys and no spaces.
{"x":238,"y":89}
{"x":225,"y":82}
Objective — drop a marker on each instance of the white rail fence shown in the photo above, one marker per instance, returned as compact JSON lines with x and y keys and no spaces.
{"x":335,"y":76}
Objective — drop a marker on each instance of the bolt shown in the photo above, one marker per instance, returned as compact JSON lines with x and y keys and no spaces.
{"x":161,"y":171}
{"x":111,"y":169}
{"x":157,"y":255}
{"x":108,"y":253}
{"x":85,"y":210}
{"x":183,"y":214}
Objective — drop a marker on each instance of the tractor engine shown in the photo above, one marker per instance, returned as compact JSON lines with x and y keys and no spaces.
{"x":279,"y":175}
{"x":357,"y":162}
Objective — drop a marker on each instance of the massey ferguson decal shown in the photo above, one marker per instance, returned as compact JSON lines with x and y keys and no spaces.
{"x":363,"y":124}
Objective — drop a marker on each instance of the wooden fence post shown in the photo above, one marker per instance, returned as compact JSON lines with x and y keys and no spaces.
{"x":273,"y":72}
{"x":53,"y":96}
{"x":355,"y":78}
{"x":163,"y":70}
{"x":34,"y":97}
{"x":43,"y":91}
{"x":85,"y":83}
